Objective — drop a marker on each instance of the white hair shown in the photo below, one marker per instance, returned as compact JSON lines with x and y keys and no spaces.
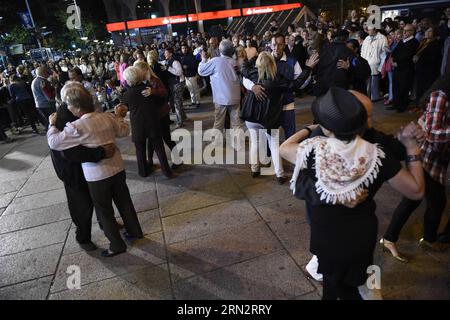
{"x":133,"y":76}
{"x":226,"y":48}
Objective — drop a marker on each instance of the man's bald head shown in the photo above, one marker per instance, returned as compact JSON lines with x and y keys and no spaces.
{"x":367,"y":104}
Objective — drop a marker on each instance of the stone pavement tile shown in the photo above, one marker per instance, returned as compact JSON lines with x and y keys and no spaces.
{"x":146,"y":252}
{"x":34,"y":238}
{"x":270,"y":277}
{"x":39,"y":200}
{"x":243,"y":178}
{"x":138,"y":184}
{"x":6,"y":198}
{"x":47,"y":163}
{"x":214,"y":182}
{"x":40,"y":186}
{"x":33,"y":218}
{"x":151,"y":283}
{"x":30,"y":290}
{"x":11,"y":185}
{"x":208,"y":220}
{"x":55,"y":209}
{"x":267,"y":192}
{"x":1,"y":211}
{"x":216,"y":250}
{"x":144,"y":201}
{"x":43,"y":174}
{"x":7,"y":175}
{"x":422,"y":278}
{"x":193,"y":200}
{"x":29,"y":265}
{"x":287,"y":219}
{"x":284,"y":212}
{"x":200,"y":170}
{"x":315,"y":295}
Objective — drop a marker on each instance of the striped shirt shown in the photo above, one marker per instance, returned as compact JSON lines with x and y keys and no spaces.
{"x":436,"y":148}
{"x":92,"y":130}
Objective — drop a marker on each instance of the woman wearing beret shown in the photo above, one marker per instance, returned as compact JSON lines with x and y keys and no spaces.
{"x":347,"y":172}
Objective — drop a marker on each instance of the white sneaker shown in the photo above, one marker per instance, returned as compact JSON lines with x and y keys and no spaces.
{"x":312,"y":267}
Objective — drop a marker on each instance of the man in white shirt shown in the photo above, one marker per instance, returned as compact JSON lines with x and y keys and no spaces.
{"x":373,"y":49}
{"x":225,"y":85}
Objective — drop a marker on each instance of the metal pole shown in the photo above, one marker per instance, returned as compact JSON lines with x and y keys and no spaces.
{"x":77,"y":11}
{"x":187,"y":17}
{"x":32,"y":21}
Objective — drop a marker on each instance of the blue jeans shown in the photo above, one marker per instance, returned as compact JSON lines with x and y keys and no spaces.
{"x":288,"y":123}
{"x":391,"y":89}
{"x":373,"y":89}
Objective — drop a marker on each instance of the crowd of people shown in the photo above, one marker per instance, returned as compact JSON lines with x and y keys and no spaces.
{"x":341,"y":161}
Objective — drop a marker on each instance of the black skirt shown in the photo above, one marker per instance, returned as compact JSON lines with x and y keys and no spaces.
{"x":344,"y":240}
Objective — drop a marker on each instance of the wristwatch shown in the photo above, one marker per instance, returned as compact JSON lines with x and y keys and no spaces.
{"x":413,"y":158}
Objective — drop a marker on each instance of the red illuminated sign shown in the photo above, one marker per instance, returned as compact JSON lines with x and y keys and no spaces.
{"x":119,"y":26}
{"x":111,"y":27}
{"x":218,"y":14}
{"x":270,"y":9}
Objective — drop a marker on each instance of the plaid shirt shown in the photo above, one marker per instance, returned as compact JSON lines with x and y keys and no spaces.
{"x":436,"y":148}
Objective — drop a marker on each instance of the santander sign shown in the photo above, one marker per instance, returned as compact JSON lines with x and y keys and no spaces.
{"x":252,"y":11}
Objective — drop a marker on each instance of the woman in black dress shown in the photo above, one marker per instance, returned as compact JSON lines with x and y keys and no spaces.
{"x":347,"y":172}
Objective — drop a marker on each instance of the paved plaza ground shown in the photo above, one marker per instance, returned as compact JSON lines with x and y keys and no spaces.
{"x":212,"y":233}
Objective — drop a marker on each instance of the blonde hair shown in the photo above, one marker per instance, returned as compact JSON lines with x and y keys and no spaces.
{"x":267,"y":68}
{"x":241,"y":53}
{"x":146,"y":69}
{"x":133,"y":76}
{"x":75,"y":95}
{"x":152,"y":57}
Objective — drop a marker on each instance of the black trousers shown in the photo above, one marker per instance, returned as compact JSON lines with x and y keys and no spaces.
{"x":402,"y":84}
{"x":81,"y":209}
{"x":436,"y":198}
{"x":103,"y":193}
{"x":333,"y":290}
{"x":144,"y":156}
{"x":43,"y":114}
{"x":27,"y":107}
{"x":3,"y":136}
{"x":165,"y":132}
{"x":14,"y":115}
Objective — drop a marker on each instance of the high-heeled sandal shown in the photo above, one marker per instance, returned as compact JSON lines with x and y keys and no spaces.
{"x":383,"y":243}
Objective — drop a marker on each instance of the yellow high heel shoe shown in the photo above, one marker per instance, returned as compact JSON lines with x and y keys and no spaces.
{"x":383,"y":243}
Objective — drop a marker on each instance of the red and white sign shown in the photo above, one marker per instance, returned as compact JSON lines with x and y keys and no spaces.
{"x":199,"y":17}
{"x":270,"y":9}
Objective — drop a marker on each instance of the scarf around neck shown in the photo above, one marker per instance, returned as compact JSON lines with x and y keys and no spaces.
{"x":343,"y":170}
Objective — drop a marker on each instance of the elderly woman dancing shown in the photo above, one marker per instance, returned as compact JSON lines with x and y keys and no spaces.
{"x":106,"y":179}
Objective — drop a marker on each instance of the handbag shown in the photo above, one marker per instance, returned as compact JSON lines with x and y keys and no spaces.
{"x":254,"y":110}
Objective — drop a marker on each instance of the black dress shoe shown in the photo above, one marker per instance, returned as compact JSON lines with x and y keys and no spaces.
{"x":88,"y":246}
{"x":391,"y":108}
{"x":281,"y":180}
{"x":444,"y":238}
{"x":401,"y":110}
{"x":176,"y":166}
{"x":256,"y":174}
{"x":130,"y":239}
{"x":109,"y":253}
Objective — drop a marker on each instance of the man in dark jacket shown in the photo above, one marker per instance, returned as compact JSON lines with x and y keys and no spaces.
{"x":361,"y":69}
{"x":67,"y":165}
{"x":404,"y":69}
{"x":190,"y":66}
{"x":334,"y":68}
